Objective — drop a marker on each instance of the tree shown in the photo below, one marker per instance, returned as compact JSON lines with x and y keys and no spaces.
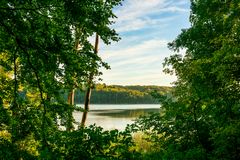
{"x":202,"y":120}
{"x":89,"y":88}
{"x":39,"y":62}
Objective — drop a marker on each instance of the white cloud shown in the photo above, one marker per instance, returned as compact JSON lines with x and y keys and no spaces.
{"x":157,"y":78}
{"x":134,"y":50}
{"x":138,"y":8}
{"x":141,"y":23}
{"x":136,"y":13}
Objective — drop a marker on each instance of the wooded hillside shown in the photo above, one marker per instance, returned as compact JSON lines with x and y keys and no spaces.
{"x":117,"y":94}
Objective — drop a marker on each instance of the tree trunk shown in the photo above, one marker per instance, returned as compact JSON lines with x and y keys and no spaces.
{"x":89,"y":89}
{"x":69,"y":125}
{"x":86,"y":106}
{"x":71,"y":97}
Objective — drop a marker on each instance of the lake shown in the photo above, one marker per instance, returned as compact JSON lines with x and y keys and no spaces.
{"x":115,"y":116}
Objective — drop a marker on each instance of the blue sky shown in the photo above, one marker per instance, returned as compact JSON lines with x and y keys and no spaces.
{"x":145,"y":28}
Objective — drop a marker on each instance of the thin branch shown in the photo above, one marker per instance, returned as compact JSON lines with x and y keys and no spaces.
{"x":14,"y":9}
{"x":28,"y":9}
{"x":15,"y":79}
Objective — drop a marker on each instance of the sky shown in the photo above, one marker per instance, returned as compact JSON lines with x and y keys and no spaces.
{"x":145,"y":28}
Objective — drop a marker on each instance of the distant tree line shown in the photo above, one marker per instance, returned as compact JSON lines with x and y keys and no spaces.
{"x":117,"y":94}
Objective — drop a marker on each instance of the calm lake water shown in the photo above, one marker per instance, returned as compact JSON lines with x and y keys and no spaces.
{"x":115,"y":116}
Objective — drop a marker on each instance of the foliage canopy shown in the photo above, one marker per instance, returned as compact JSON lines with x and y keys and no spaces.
{"x":201,"y":121}
{"x":45,"y":50}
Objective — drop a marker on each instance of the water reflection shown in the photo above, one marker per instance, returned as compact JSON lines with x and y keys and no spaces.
{"x":116,"y":117}
{"x":116,"y":113}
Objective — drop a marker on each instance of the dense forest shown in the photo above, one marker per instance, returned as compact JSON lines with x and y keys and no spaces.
{"x":45,"y":51}
{"x":117,"y":94}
